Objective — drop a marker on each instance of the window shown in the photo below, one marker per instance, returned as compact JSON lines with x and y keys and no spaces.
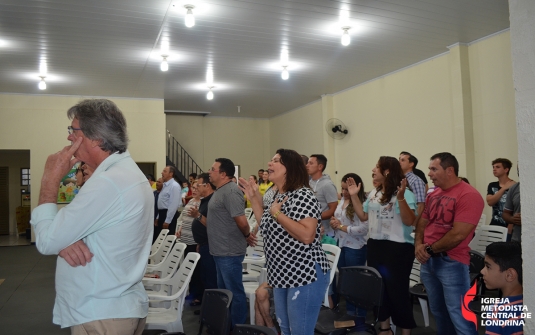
{"x":25,"y":177}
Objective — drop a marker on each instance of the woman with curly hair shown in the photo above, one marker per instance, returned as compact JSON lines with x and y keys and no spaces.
{"x":390,"y":212}
{"x":351,"y":233}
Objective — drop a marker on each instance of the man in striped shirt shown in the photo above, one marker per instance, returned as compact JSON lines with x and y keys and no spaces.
{"x":408,"y":163}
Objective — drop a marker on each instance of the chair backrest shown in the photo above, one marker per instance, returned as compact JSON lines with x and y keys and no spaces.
{"x":477,"y":261}
{"x":414,"y":277}
{"x":252,"y":330}
{"x":172,"y":261}
{"x":333,"y":255}
{"x":487,"y":234}
{"x":162,"y":253}
{"x":362,"y":286}
{"x":482,"y":220}
{"x":257,"y":250}
{"x":182,"y":277}
{"x":158,"y":242}
{"x":215,"y":311}
{"x":177,"y":288}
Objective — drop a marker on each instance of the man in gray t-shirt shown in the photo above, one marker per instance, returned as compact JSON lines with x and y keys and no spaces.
{"x":511,"y":211}
{"x":324,"y":189}
{"x":224,"y":236}
{"x":228,"y":235}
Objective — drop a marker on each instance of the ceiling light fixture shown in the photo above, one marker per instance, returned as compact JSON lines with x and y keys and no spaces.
{"x":210,"y":94}
{"x":164,"y":66}
{"x":189,"y":20}
{"x":42,"y":83}
{"x":285,"y":74}
{"x":346,"y":39}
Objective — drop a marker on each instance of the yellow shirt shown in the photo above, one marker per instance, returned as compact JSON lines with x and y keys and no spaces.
{"x":263,"y":187}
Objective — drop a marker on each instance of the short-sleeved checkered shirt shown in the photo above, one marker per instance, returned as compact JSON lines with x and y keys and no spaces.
{"x":417,"y":186}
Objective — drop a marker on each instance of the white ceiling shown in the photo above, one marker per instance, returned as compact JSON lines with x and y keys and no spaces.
{"x":112,"y":47}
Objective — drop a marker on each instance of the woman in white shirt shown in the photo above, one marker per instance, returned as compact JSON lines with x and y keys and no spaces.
{"x":351,"y":233}
{"x":390,"y":212}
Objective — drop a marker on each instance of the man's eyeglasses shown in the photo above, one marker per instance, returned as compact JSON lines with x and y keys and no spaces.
{"x":213,"y":170}
{"x":201,"y":185}
{"x":71,"y":129}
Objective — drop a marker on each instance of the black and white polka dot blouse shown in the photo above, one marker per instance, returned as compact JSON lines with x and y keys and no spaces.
{"x":291,"y":263}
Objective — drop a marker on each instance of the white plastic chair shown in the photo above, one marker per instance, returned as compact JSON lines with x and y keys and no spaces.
{"x":250,"y":292}
{"x":414,"y":279}
{"x":482,"y":222}
{"x":254,"y":261}
{"x":158,"y":242}
{"x":170,"y":318}
{"x":333,"y":254}
{"x":160,"y":255}
{"x":487,"y":234}
{"x":166,"y":269}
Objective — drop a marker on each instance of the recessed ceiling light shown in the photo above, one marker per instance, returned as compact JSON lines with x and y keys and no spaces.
{"x":346,"y":39}
{"x":42,"y":83}
{"x":164,"y":66}
{"x":285,"y":74}
{"x":189,"y":19}
{"x":210,"y":94}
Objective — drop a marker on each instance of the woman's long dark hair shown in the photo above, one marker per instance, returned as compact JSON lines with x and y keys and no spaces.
{"x":296,"y":171}
{"x":350,"y":210}
{"x":392,"y":179}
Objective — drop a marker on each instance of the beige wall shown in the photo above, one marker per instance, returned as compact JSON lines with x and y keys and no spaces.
{"x":407,"y":111}
{"x":39,"y":123}
{"x":493,"y":102}
{"x":461,"y":101}
{"x":300,"y":130}
{"x":244,"y":141}
{"x":15,"y":160}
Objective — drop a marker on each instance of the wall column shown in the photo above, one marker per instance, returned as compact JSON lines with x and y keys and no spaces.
{"x":522,"y":17}
{"x":461,"y":94}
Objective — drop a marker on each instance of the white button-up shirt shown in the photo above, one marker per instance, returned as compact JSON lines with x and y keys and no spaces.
{"x":113,"y":214}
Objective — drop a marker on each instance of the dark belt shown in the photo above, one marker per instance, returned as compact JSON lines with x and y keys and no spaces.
{"x":440,"y":254}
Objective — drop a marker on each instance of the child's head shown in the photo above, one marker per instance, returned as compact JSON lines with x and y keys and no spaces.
{"x":503,"y":265}
{"x":185,"y":184}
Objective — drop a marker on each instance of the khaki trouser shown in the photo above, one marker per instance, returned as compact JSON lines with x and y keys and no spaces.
{"x":130,"y":326}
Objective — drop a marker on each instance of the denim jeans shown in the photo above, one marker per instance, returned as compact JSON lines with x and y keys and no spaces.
{"x":446,"y":282}
{"x":297,"y":308}
{"x":229,"y":276}
{"x":353,"y":257}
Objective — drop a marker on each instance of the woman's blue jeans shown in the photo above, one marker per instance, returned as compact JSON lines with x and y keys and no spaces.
{"x":297,"y":308}
{"x":353,"y":257}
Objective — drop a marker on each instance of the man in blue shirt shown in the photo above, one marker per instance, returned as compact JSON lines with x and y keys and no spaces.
{"x":106,"y":228}
{"x":168,"y":201}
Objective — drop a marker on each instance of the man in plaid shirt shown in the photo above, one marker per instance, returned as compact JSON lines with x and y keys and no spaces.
{"x":408,"y":162}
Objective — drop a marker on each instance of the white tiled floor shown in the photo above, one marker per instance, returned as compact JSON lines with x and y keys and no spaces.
{"x":13,"y":240}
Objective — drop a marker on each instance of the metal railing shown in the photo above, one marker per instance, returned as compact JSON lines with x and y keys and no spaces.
{"x":181,"y":158}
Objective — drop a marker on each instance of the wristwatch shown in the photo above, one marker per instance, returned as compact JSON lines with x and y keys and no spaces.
{"x":340,"y":228}
{"x":199,"y":217}
{"x":429,"y":250}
